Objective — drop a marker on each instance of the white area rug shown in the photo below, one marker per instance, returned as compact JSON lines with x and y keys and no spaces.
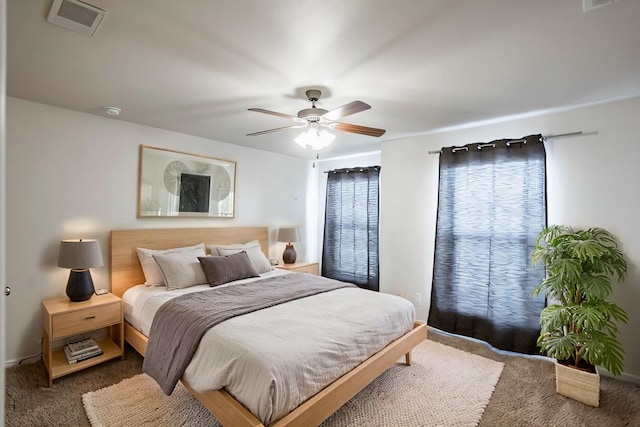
{"x":443,"y":387}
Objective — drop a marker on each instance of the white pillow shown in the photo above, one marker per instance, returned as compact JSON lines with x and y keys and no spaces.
{"x":180,"y":270}
{"x":258,"y":260}
{"x":214,"y":248}
{"x":150,"y":268}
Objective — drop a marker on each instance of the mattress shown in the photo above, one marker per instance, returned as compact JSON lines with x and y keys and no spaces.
{"x":274,"y":359}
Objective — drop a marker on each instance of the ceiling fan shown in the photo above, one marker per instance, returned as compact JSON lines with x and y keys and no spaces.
{"x":315,"y":117}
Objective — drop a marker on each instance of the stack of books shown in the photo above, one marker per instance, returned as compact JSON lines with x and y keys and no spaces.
{"x":81,"y":350}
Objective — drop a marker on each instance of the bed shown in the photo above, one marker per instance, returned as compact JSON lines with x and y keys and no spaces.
{"x":126,"y":273}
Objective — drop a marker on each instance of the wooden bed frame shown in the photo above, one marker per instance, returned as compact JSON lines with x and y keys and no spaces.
{"x":126,"y":272}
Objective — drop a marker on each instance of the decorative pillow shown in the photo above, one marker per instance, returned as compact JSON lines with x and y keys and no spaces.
{"x":259,"y":261}
{"x":180,"y":270}
{"x":214,"y":248}
{"x":222,"y":269}
{"x":150,"y":268}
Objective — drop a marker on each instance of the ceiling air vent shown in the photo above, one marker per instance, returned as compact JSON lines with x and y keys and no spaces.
{"x":589,"y":5}
{"x":76,"y":15}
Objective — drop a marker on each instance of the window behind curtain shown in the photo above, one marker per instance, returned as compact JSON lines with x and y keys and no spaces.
{"x":350,"y":247}
{"x":491,"y":207}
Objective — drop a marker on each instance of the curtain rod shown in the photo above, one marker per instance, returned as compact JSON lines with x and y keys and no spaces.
{"x":545,"y":137}
{"x":356,"y":169}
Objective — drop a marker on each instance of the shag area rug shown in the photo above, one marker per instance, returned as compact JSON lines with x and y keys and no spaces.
{"x":443,"y":387}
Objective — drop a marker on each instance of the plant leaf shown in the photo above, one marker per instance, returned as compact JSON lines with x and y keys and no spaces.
{"x":589,"y":317}
{"x":596,"y":286}
{"x":588,"y":249}
{"x":560,"y":347}
{"x":602,"y":349}
{"x":554,"y":317}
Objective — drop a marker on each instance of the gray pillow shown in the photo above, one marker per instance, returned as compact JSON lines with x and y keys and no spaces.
{"x":223,"y":269}
{"x":180,"y":270}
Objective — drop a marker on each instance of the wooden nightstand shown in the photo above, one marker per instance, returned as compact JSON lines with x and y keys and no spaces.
{"x":301,"y":267}
{"x":62,"y":318}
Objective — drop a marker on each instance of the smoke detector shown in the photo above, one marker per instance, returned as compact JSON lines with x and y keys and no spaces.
{"x":77,"y":16}
{"x":112,"y":111}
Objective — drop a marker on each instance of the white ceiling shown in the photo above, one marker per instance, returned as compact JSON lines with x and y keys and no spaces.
{"x":196,"y":66}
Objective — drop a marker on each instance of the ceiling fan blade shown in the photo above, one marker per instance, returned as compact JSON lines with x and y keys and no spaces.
{"x":262,"y":132}
{"x":364,"y":130}
{"x":274,"y":113}
{"x":346,"y":110}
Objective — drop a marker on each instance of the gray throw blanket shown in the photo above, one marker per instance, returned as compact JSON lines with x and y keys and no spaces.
{"x":180,"y":323}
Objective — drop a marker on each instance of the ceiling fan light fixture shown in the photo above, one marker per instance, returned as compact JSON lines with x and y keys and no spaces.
{"x":315,"y":139}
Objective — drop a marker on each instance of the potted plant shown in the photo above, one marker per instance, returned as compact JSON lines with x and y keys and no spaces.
{"x":578,"y":328}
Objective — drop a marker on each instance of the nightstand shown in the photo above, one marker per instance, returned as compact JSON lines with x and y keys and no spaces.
{"x":301,"y":267}
{"x":62,"y":318}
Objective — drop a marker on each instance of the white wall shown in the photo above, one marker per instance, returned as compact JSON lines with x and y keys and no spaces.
{"x":592,"y":180}
{"x":72,"y":175}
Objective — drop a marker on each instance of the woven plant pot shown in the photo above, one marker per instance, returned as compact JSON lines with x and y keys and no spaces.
{"x":577,"y":384}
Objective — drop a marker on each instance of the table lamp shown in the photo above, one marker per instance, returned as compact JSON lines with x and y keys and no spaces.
{"x":288,"y":235}
{"x":80,"y":256}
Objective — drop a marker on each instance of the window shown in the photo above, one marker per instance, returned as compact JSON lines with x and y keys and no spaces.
{"x":491,"y":207}
{"x":350,"y":246}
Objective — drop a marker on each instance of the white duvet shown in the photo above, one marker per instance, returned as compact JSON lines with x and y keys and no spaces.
{"x":274,"y":359}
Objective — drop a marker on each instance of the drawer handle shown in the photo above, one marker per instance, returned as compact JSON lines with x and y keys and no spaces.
{"x":90,"y":317}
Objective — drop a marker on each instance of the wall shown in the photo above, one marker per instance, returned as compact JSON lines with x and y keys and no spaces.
{"x":72,"y":175}
{"x":591,"y":181}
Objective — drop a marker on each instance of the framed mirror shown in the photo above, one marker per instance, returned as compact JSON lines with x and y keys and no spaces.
{"x":178,"y":184}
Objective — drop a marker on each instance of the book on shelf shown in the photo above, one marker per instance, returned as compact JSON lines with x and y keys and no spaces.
{"x":80,"y":347}
{"x":82,"y":356}
{"x":97,"y":351}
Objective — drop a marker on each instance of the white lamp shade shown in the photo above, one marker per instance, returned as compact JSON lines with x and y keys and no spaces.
{"x":315,"y":139}
{"x":288,"y":234}
{"x":80,"y":254}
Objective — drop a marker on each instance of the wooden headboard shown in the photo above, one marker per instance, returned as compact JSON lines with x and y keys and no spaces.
{"x":125,"y":267}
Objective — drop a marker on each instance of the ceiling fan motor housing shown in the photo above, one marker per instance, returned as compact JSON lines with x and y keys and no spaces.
{"x":312,"y":114}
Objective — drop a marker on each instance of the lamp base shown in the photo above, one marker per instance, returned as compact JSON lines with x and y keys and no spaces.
{"x":80,"y":285}
{"x":289,"y":255}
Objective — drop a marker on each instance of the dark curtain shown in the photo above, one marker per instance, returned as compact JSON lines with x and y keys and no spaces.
{"x":491,"y":207}
{"x":350,"y":246}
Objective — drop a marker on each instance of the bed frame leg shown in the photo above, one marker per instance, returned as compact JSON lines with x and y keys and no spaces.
{"x":407,"y":359}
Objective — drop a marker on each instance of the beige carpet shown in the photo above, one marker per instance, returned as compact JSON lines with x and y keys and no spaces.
{"x":444,"y":386}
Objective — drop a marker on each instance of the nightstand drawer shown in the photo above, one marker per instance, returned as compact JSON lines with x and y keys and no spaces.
{"x":80,"y":321}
